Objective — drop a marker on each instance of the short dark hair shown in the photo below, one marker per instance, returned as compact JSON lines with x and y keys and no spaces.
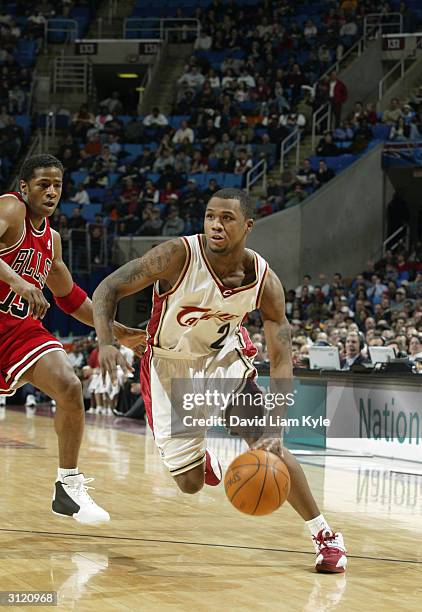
{"x":231,"y":193}
{"x":44,"y":160}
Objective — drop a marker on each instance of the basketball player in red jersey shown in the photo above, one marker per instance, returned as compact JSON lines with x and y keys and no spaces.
{"x":203,"y":287}
{"x":31,"y":257}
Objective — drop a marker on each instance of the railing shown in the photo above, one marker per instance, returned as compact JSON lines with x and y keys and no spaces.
{"x":65,"y":31}
{"x":322,"y":114}
{"x":160,"y":29}
{"x":290,"y":142}
{"x":259,"y":171}
{"x":86,"y":249}
{"x":150,"y":73}
{"x":72,"y":73}
{"x":397,"y":72}
{"x":49,"y":129}
{"x":31,"y":93}
{"x":112,"y":10}
{"x":394,"y":71}
{"x":35,"y":148}
{"x":399,"y":235}
{"x":376,"y":24}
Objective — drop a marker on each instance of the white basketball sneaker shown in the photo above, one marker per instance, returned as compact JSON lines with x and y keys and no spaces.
{"x":71,"y":498}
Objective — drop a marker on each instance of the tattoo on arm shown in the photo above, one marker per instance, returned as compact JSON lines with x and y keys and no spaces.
{"x":284,"y":334}
{"x":135,"y":275}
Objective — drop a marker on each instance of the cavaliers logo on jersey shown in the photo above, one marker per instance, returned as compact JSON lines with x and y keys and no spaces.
{"x":189,"y":316}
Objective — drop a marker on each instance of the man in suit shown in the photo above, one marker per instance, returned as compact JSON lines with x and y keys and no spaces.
{"x":354,"y":345}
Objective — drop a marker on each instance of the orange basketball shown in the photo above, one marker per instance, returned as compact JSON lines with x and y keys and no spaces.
{"x":257,"y":482}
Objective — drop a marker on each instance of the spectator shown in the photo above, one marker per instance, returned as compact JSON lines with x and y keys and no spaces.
{"x":354,"y":345}
{"x":184,"y":132}
{"x":243,"y":163}
{"x":324,"y":173}
{"x":306,"y":175}
{"x":156,"y":119}
{"x":113,"y":104}
{"x":227,"y":162}
{"x":337,"y":96}
{"x":305,"y":283}
{"x":203,"y":41}
{"x":326,"y":147}
{"x":152,"y":226}
{"x":81,"y":196}
{"x":393,"y":114}
{"x":174,"y":225}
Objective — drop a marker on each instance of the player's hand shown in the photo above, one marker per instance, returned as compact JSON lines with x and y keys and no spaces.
{"x":272,"y":445}
{"x":37,"y":303}
{"x":133,"y":338}
{"x":110,"y":357}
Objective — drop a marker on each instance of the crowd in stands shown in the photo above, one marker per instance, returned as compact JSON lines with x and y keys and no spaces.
{"x":254,"y":77}
{"x":117,"y":175}
{"x":380,"y":307}
{"x":22,"y":30}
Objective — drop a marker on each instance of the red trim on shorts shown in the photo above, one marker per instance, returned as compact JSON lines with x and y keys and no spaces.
{"x":248,"y":348}
{"x":153,"y":331}
{"x":145,"y":379}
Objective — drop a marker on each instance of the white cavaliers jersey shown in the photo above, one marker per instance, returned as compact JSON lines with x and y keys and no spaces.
{"x":199,"y":315}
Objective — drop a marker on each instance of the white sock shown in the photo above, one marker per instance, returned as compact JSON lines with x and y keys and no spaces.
{"x":316,"y":524}
{"x":62,"y":472}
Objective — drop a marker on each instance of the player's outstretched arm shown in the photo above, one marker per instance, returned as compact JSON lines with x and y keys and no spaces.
{"x":276,"y":328}
{"x":12,"y":217}
{"x":75,"y":302}
{"x":164,"y":263}
{"x":278,"y":337}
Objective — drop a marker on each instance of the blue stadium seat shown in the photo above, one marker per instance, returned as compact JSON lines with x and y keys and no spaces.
{"x":24,"y":121}
{"x":176,"y":120}
{"x":232,"y":180}
{"x":133,"y":149}
{"x":96,"y":194}
{"x":79,"y":177}
{"x":381,"y":131}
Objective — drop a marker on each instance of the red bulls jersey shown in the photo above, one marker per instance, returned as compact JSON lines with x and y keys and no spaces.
{"x":31,"y":257}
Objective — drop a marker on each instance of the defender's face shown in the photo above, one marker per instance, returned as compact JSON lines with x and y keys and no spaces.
{"x":43,"y":190}
{"x":225,"y":225}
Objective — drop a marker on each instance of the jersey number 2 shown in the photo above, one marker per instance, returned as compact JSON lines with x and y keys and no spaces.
{"x":19,"y":309}
{"x":224,"y":330}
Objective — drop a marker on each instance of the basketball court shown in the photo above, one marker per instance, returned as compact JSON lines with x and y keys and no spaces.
{"x":164,"y":550}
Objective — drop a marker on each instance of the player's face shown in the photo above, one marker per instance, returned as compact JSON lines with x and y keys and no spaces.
{"x":225,"y":225}
{"x":43,"y":190}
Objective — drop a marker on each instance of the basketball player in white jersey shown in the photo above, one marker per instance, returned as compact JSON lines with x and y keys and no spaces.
{"x":203,"y":287}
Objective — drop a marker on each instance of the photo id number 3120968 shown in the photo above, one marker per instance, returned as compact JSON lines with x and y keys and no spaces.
{"x":28,"y":598}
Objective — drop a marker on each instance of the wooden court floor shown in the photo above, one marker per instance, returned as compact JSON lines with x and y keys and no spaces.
{"x":166,"y":551}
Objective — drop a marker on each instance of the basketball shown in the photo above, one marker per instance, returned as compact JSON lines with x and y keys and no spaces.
{"x":257,"y":482}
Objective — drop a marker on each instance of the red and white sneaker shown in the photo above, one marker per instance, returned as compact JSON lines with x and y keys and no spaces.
{"x":213,"y":471}
{"x":331,"y":552}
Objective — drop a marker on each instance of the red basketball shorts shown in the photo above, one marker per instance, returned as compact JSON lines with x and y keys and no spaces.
{"x":22,"y":343}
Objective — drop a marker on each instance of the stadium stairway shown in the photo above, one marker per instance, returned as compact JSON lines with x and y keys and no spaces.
{"x":405,"y":87}
{"x":306,"y":149}
{"x":161,"y":90}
